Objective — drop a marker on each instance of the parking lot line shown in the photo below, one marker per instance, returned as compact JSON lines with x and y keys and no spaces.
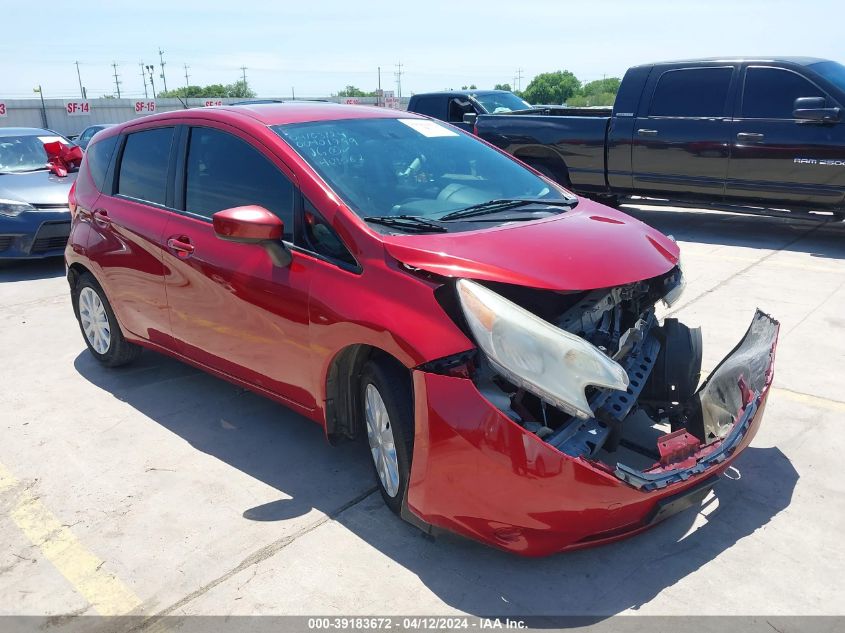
{"x":811,"y":400}
{"x":82,"y":569}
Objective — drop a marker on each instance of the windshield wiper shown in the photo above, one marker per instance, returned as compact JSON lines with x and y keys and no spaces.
{"x":494,"y":206}
{"x":407,"y":223}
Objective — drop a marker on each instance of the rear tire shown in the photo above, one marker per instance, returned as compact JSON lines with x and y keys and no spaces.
{"x":387,"y":411}
{"x":99,"y":326}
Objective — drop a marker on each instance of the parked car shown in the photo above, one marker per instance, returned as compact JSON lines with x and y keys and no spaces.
{"x":88,"y":133}
{"x":754,"y":135}
{"x":492,"y":335}
{"x":452,"y":105}
{"x":34,"y":214}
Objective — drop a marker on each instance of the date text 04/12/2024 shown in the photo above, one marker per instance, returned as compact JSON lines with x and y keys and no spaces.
{"x":417,"y":622}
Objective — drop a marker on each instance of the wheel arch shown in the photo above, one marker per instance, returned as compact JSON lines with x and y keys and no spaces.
{"x":342,"y":411}
{"x":538,"y":156}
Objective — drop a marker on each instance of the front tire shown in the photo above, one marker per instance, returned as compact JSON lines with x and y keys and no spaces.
{"x":99,"y":326}
{"x":388,"y":414}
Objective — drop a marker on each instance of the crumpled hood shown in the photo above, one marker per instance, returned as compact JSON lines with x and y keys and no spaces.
{"x":37,"y":187}
{"x":591,"y":246}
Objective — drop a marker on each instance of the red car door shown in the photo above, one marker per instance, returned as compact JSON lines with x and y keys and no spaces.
{"x":231,"y":309}
{"x":128,"y":223}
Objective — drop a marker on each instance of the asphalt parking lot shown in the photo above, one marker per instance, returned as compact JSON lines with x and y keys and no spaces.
{"x":156,"y":489}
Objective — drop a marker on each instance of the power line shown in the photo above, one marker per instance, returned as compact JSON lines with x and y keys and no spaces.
{"x":162,"y":62}
{"x":117,"y":81}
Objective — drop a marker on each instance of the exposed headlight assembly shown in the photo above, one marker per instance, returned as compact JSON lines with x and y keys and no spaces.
{"x":13,"y":208}
{"x":535,"y":355}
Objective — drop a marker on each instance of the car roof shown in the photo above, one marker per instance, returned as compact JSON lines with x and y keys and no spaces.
{"x":26,"y":131}
{"x":801,"y":61}
{"x":464,"y":93}
{"x":281,"y":113}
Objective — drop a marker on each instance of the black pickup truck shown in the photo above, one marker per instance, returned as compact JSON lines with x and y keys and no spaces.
{"x":452,"y":105}
{"x":753,"y":135}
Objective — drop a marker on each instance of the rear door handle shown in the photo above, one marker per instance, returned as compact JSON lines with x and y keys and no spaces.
{"x":101,"y":217}
{"x":644,"y":132}
{"x":181,"y":246}
{"x":750,"y":136}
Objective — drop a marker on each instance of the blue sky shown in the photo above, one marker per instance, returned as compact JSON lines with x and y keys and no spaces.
{"x":320,"y":46}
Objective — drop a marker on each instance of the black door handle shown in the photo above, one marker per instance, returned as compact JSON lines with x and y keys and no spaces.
{"x":750,"y":136}
{"x":644,"y":132}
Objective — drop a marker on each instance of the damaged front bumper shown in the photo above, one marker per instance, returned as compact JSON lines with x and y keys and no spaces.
{"x":478,"y":472}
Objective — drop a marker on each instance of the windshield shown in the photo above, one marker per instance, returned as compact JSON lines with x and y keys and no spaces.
{"x":23,"y":153}
{"x":832,"y":71}
{"x":497,"y":102}
{"x":389,"y":167}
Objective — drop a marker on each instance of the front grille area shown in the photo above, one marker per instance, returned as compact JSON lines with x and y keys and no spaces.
{"x":51,"y":236}
{"x":5,"y":242}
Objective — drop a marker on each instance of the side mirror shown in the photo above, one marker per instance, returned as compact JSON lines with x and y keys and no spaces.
{"x":253,"y":225}
{"x":470,"y":118}
{"x":813,"y":109}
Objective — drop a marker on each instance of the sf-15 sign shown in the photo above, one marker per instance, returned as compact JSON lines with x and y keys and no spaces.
{"x":77,"y":108}
{"x":146,"y":107}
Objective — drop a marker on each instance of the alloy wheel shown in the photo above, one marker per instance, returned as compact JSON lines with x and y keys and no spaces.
{"x":94,"y":320}
{"x":382,"y":444}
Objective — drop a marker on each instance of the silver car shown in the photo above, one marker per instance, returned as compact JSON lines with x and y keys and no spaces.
{"x":34,"y":213}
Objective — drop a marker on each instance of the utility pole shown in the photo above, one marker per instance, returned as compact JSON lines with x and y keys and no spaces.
{"x":144,"y":79}
{"x":187,"y":85}
{"x":292,"y":94}
{"x":518,"y":79}
{"x":161,"y":60}
{"x":399,"y":79}
{"x":150,"y":69}
{"x":379,"y":99}
{"x":116,"y":80}
{"x":43,"y":107}
{"x":243,"y":70}
{"x":78,"y":76}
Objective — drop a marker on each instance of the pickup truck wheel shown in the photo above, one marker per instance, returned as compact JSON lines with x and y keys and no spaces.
{"x":549,"y":172}
{"x":387,"y":410}
{"x":99,"y":326}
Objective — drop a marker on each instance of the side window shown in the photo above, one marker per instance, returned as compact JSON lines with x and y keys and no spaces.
{"x":223,"y":172}
{"x":98,"y":158}
{"x":691,"y":92}
{"x":320,"y":238}
{"x":143,"y":168}
{"x":770,"y":93}
{"x":457,"y":109}
{"x":430,"y":106}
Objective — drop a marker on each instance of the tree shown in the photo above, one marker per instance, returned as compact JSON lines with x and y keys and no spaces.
{"x":238,"y":89}
{"x":352,"y":91}
{"x":552,"y":88}
{"x":502,"y":87}
{"x":602,"y":86}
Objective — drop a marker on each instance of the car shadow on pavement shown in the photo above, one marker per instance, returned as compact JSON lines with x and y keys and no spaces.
{"x":31,"y":269}
{"x":820,"y":239}
{"x":273,"y":445}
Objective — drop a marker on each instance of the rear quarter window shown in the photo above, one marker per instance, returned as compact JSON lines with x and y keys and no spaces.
{"x":98,"y":158}
{"x":143,"y":167}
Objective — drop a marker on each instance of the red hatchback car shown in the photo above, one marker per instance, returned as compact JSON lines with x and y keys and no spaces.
{"x":493,"y":335}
